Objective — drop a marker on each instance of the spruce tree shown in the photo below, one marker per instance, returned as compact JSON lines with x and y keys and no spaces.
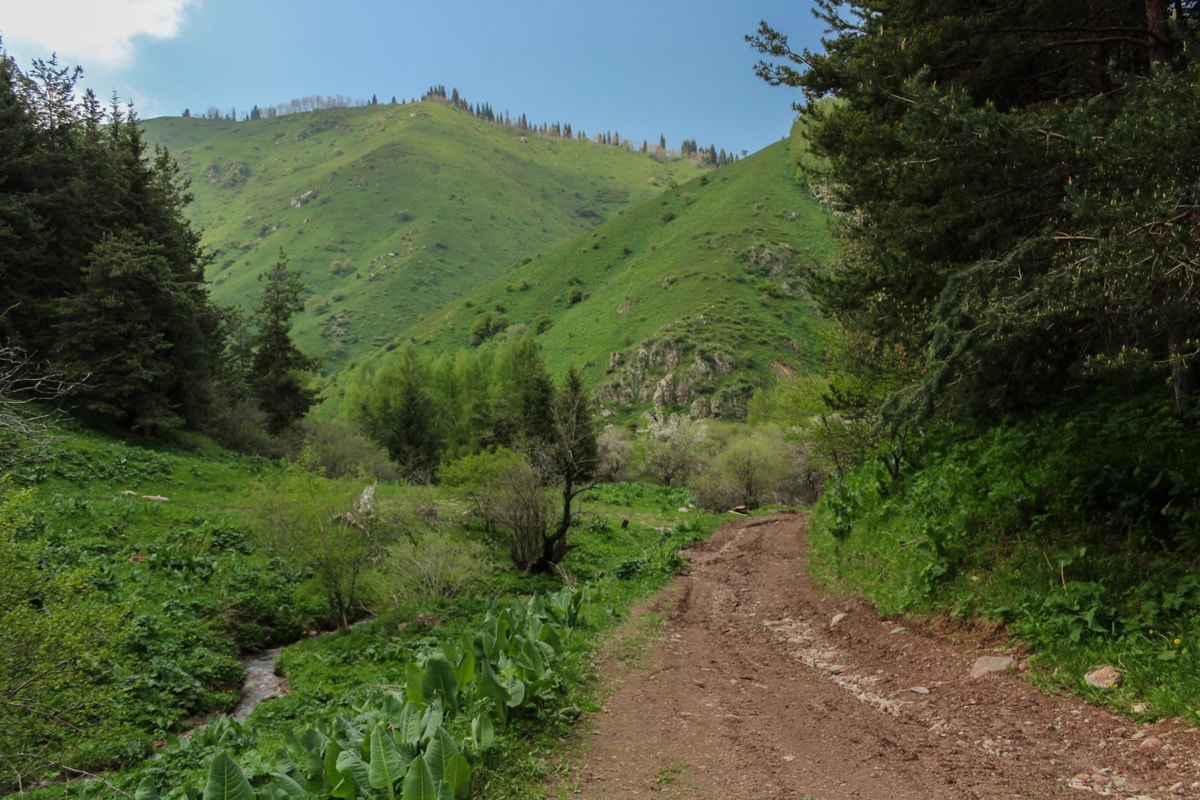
{"x":1013,"y":185}
{"x":571,"y":458}
{"x":280,"y":378}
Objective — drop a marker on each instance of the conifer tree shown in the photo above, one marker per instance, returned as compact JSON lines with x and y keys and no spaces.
{"x":571,"y":458}
{"x":280,"y":377}
{"x":1016,"y":182}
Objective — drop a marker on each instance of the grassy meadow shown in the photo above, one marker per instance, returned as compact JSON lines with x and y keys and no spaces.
{"x":391,"y":211}
{"x":175,"y":544}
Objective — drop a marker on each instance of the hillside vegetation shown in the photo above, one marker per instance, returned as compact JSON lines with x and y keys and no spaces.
{"x":389,"y":211}
{"x":691,"y":300}
{"x":1011,"y":401}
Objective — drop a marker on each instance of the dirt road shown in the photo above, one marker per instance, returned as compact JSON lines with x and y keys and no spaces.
{"x":750,"y":689}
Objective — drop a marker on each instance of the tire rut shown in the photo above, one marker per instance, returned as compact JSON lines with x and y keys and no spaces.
{"x":749,"y":691}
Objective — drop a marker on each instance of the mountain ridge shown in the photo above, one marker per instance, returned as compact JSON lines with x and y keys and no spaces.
{"x":666,"y":283}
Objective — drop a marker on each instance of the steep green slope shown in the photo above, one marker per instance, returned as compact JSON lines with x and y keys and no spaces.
{"x":390,"y":211}
{"x":690,"y":300}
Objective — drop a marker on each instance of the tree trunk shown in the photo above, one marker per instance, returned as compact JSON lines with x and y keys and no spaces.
{"x":1184,"y":366}
{"x":1160,"y":30}
{"x":554,"y":546}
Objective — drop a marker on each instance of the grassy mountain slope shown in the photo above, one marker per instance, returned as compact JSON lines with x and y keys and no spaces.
{"x":390,"y":211}
{"x":689,"y":300}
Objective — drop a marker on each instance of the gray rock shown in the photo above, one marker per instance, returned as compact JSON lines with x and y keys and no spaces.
{"x":985,"y":665}
{"x":1103,"y":677}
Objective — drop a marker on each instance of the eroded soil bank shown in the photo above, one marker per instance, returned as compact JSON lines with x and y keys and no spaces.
{"x":749,"y":689}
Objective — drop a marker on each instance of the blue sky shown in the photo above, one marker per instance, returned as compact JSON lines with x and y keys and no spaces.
{"x":680,"y":68}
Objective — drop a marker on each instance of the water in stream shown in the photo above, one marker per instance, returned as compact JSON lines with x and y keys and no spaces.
{"x":261,"y":682}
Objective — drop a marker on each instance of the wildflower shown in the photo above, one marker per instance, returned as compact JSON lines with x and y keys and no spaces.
{"x":1177,"y":641}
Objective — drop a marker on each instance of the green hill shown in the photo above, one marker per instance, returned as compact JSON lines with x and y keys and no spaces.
{"x":690,"y":300}
{"x":390,"y":211}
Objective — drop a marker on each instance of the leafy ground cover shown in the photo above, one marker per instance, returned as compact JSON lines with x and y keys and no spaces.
{"x":171,"y":542}
{"x":1075,"y":532}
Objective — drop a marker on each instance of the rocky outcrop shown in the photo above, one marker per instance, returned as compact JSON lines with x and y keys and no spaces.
{"x":672,"y":371}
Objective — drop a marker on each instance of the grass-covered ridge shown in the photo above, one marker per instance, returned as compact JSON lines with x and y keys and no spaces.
{"x":390,"y":211}
{"x":695,"y":296}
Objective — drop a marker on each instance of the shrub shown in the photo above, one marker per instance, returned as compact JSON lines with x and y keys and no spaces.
{"x":241,"y":426}
{"x":341,"y":451}
{"x":615,"y":448}
{"x":329,"y":529}
{"x":480,"y":476}
{"x":523,"y":512}
{"x":436,"y":567}
{"x":670,"y":445}
{"x":749,"y":471}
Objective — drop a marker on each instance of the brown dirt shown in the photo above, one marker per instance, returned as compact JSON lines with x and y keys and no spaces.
{"x":746,"y":690}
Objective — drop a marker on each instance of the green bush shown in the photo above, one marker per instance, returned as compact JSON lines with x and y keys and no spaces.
{"x":343,"y":452}
{"x":436,"y":567}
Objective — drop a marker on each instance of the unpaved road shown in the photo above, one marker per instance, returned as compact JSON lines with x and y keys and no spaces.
{"x":745,"y":690}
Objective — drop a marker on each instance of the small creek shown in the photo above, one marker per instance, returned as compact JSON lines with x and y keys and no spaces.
{"x":261,"y":682}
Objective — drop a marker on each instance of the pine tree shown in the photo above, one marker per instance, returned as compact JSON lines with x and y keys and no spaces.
{"x":571,"y":457}
{"x":280,"y":369}
{"x":995,"y":167}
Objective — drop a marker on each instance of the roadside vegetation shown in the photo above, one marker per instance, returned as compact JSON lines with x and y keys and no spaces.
{"x":145,"y":572}
{"x":1008,"y":411}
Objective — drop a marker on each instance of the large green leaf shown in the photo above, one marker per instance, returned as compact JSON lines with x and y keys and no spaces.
{"x":418,"y":782}
{"x":354,"y":771}
{"x":457,"y":775}
{"x":440,"y":751}
{"x":332,"y":776}
{"x":414,"y":683}
{"x":439,"y":679}
{"x":226,"y":781}
{"x":146,"y":790}
{"x":489,"y":687}
{"x":306,"y":751}
{"x":483,"y":731}
{"x":289,"y":786}
{"x":387,"y":764}
{"x":464,"y":672}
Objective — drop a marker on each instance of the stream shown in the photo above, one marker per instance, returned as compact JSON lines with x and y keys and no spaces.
{"x":261,"y":682}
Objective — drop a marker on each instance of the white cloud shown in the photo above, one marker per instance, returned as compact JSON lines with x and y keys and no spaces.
{"x":99,"y":32}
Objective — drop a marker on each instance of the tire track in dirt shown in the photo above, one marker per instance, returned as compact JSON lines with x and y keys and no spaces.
{"x":747,"y":691}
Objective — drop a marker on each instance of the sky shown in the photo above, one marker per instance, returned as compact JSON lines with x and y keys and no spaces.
{"x":641,"y":68}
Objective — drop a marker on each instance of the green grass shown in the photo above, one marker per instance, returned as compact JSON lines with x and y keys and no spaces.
{"x":202,"y":589}
{"x":713,"y":296}
{"x":422,"y":218}
{"x":390,"y":211}
{"x":1074,"y":531}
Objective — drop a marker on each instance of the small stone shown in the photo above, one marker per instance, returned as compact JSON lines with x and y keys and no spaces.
{"x":919,"y":690}
{"x":1141,"y":708}
{"x":985,"y":665}
{"x":1151,"y":743}
{"x":1103,"y":677}
{"x":1177,"y":787}
{"x":833,"y":623}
